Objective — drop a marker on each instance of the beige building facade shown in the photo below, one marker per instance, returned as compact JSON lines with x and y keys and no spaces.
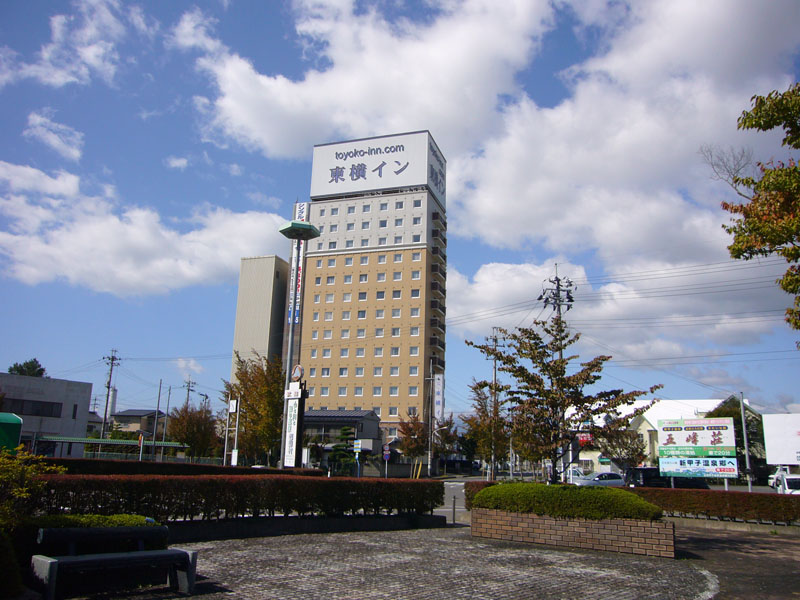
{"x":372,"y":328}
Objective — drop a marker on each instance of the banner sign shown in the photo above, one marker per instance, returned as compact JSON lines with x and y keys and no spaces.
{"x":725,"y":468}
{"x":438,"y":396}
{"x":782,"y":438}
{"x":690,"y":438}
{"x":296,"y":274}
{"x":290,"y":449}
{"x":379,"y":163}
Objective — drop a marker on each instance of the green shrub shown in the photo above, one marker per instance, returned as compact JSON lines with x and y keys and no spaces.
{"x":566,"y":501}
{"x":21,"y":487}
{"x":55,"y":521}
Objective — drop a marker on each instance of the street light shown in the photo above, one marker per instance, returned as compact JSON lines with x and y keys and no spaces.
{"x":299,"y":231}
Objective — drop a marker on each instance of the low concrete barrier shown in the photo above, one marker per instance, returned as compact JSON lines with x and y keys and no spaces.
{"x":650,"y":538}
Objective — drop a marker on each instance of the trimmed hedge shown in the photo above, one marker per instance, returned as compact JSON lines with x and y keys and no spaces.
{"x":98,"y":466}
{"x":566,"y":501}
{"x":742,"y":506}
{"x":208,"y":497}
{"x":473,"y":487}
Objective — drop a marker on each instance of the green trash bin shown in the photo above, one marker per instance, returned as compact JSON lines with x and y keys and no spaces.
{"x":10,"y":431}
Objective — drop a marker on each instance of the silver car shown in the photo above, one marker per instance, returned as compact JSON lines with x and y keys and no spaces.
{"x":604,"y":479}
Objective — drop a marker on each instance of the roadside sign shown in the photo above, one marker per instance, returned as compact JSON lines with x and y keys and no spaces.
{"x":357,"y":445}
{"x":386,"y":447}
{"x":386,"y":456}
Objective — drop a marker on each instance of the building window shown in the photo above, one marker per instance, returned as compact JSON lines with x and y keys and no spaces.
{"x":350,"y":227}
{"x":396,"y":294}
{"x":377,"y":390}
{"x":394,"y":390}
{"x":312,"y":372}
{"x":395,"y":332}
{"x":317,"y":280}
{"x":328,"y":298}
{"x":413,"y":331}
{"x":345,"y":315}
{"x":358,"y":391}
{"x":381,"y":241}
{"x":342,"y":392}
{"x":415,"y":293}
{"x":397,"y":276}
{"x":312,"y":391}
{"x":362,"y":314}
{"x":413,"y":371}
{"x":347,"y":297}
{"x":415,"y":274}
{"x":361,"y":333}
{"x":381,"y":276}
{"x":330,"y":280}
{"x":398,"y":222}
{"x":344,"y":352}
{"x":380,"y":295}
{"x":378,"y":332}
{"x":342,"y":371}
{"x":377,"y":410}
{"x":383,"y":223}
{"x":391,"y":431}
{"x":319,"y":245}
{"x":394,"y":371}
{"x":334,"y":228}
{"x":362,"y":295}
{"x":362,"y":278}
{"x":412,"y":411}
{"x":365,"y":208}
{"x":334,"y":212}
{"x":331,"y":262}
{"x":378,"y":351}
{"x":395,"y":313}
{"x":313,"y":353}
{"x":416,"y":256}
{"x":416,"y":221}
{"x":331,"y":245}
{"x":323,"y":391}
{"x":351,"y":210}
{"x":398,"y":205}
{"x":384,"y":206}
{"x":364,"y":225}
{"x":327,"y":334}
{"x":326,"y":353}
{"x":379,"y":313}
{"x":413,"y":351}
{"x":314,"y":334}
{"x":325,"y":372}
{"x":364,"y":260}
{"x":417,"y":203}
{"x":322,"y":212}
{"x":381,"y":259}
{"x":329,"y":315}
{"x":345,"y":334}
{"x":415,"y":312}
{"x":319,"y":263}
{"x":348,"y":279}
{"x":394,"y":351}
{"x":348,"y":261}
{"x":398,"y":239}
{"x":377,"y":371}
{"x":348,"y":243}
{"x":359,"y":352}
{"x":359,"y":371}
{"x":392,"y":411}
{"x":315,"y":316}
{"x":364,"y":242}
{"x":416,"y":238}
{"x":316,"y":298}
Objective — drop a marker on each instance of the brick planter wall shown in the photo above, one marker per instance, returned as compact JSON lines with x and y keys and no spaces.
{"x":650,"y":538}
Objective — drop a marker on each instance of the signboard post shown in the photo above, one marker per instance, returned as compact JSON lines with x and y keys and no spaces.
{"x":697,"y":448}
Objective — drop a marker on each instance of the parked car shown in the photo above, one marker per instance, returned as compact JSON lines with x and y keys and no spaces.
{"x":651,"y":477}
{"x":604,"y":479}
{"x":772,"y":479}
{"x":788,"y":484}
{"x":575,"y":473}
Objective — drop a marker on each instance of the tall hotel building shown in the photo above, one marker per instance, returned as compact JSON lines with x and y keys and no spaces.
{"x":372,"y":318}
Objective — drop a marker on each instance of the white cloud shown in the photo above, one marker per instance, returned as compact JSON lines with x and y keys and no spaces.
{"x":234,"y":170}
{"x":176,"y":162}
{"x":262,"y":199}
{"x":409,"y":79}
{"x":63,"y":139}
{"x":82,"y":46}
{"x":85,"y":241}
{"x":187,"y":366}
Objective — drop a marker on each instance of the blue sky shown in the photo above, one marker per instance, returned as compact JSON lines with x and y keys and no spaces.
{"x":146,"y":147}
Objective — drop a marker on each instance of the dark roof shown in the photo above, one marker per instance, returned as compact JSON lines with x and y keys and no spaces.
{"x":136,"y":412}
{"x":339,"y":415}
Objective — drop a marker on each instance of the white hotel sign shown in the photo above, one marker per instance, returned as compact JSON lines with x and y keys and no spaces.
{"x":379,"y":163}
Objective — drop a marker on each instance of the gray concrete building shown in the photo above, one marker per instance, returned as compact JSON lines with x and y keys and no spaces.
{"x":48,"y":407}
{"x":260,"y":308}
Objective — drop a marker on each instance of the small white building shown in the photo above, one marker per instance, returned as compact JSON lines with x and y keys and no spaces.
{"x":48,"y":407}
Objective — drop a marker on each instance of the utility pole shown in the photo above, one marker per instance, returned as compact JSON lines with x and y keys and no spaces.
{"x":189,"y":388}
{"x":430,"y":380}
{"x":155,"y":427}
{"x":112,"y":361}
{"x":166,"y":419}
{"x":558,"y":296}
{"x":746,"y":444}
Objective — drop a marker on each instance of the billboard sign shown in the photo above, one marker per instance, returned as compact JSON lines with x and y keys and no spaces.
{"x":296,"y":275}
{"x":379,"y":163}
{"x":438,"y":396}
{"x":782,"y":438}
{"x":689,"y":438}
{"x":724,"y":467}
{"x":290,"y":449}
